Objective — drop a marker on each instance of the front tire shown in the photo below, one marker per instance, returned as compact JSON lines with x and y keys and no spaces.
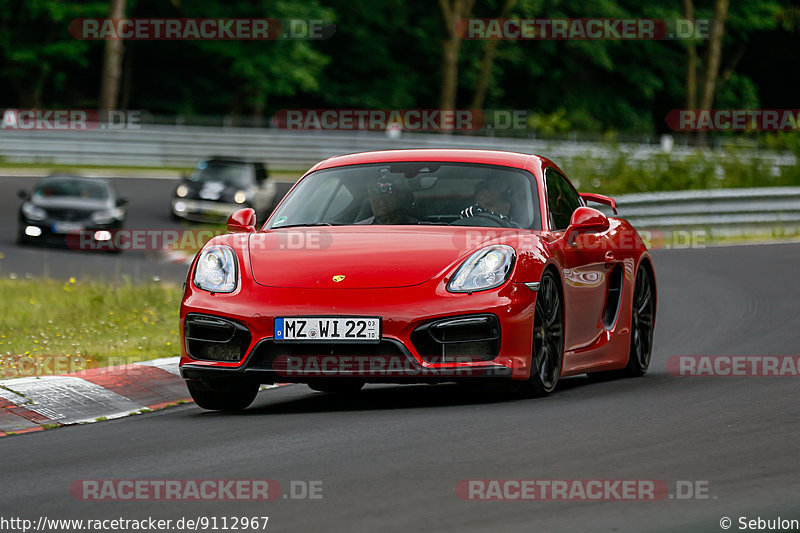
{"x":548,"y":339}
{"x":231,"y":398}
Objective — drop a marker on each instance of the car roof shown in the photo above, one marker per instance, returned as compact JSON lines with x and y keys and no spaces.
{"x":489,"y":157}
{"x":228,"y":160}
{"x":70,"y":177}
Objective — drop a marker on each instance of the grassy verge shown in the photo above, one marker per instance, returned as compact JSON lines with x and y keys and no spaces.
{"x":730,"y":168}
{"x":52,"y":327}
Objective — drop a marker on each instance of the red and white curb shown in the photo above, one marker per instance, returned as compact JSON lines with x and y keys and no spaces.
{"x":35,"y":403}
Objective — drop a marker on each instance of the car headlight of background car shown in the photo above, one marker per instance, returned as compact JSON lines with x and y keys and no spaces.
{"x":182,"y":191}
{"x":108,"y":216}
{"x":485,"y":269}
{"x":240,"y":197}
{"x":32,"y":212}
{"x":216,"y":269}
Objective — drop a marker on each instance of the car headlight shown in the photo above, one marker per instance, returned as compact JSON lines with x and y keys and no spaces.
{"x":240,"y":197}
{"x":485,"y":269}
{"x":216,"y":269}
{"x":182,"y":191}
{"x":32,"y":212}
{"x":107,"y":216}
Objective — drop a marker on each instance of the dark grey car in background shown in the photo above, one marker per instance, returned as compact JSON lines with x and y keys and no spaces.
{"x":63,"y":205}
{"x":219,"y":186}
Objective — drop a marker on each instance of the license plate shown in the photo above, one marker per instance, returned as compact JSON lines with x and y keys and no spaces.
{"x":328,"y":329}
{"x":66,"y":227}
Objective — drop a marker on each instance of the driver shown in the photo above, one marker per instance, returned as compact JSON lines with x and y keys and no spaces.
{"x":390,"y":201}
{"x":492,"y":198}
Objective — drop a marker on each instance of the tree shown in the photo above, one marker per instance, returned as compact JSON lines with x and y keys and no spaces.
{"x":489,"y":51}
{"x":714,"y":53}
{"x":39,"y":59}
{"x":112,"y":62}
{"x":691,"y":59}
{"x":452,"y":12}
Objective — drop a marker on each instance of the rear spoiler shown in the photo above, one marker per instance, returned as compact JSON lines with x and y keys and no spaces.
{"x":599,"y":199}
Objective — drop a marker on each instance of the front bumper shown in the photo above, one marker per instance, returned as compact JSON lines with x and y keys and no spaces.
{"x":400,"y":356}
{"x":204,"y":210}
{"x":77,"y":236}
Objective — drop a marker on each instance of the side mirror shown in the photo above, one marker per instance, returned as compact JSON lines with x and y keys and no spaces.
{"x":586,"y":220}
{"x":599,"y":199}
{"x":242,"y":221}
{"x":122,"y":201}
{"x":23,"y":195}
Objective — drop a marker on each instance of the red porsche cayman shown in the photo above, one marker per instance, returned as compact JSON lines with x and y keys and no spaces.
{"x":471,"y":266}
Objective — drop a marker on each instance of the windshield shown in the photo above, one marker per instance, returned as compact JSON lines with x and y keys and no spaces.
{"x":235,"y":174}
{"x":69,"y":188}
{"x":463,"y":194}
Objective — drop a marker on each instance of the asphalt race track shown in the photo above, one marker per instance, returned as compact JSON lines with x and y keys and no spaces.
{"x":390,"y":458}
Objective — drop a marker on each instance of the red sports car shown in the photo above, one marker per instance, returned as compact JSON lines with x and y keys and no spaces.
{"x":470,"y":266}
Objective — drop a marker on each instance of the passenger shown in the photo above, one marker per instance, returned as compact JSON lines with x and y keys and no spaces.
{"x":391,"y":203}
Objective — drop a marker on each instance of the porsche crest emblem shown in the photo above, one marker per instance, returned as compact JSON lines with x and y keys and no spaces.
{"x":337,"y":278}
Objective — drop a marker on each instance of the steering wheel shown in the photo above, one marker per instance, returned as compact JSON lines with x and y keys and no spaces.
{"x":501,"y":222}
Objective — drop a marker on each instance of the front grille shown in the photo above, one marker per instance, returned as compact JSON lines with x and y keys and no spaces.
{"x":267,"y":351}
{"x":68,"y":215}
{"x":458,"y":339}
{"x":215,"y":339}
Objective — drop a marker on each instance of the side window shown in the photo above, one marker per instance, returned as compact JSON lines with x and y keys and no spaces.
{"x":562,"y":200}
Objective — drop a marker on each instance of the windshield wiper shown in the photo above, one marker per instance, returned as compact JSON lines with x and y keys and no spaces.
{"x":306,"y":225}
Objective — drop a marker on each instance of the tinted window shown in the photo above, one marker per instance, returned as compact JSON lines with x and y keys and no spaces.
{"x":61,"y":188}
{"x":415,"y":193}
{"x":562,"y":200}
{"x":234,"y":174}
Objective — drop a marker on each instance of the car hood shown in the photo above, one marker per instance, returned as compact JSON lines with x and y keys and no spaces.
{"x":367,"y":257}
{"x":83,"y":204}
{"x":212,"y":190}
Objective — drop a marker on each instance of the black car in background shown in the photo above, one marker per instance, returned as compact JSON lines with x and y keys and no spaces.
{"x":64,"y":205}
{"x":219,"y":186}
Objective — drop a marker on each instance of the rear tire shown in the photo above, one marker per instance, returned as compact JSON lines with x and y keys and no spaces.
{"x":548,"y":339}
{"x":227,"y":399}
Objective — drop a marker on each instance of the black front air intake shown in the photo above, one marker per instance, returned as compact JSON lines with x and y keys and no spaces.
{"x":458,"y":339}
{"x":213,"y":338}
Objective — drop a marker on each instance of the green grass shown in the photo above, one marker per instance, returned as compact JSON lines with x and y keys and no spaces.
{"x":723,"y":169}
{"x":48,"y":326}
